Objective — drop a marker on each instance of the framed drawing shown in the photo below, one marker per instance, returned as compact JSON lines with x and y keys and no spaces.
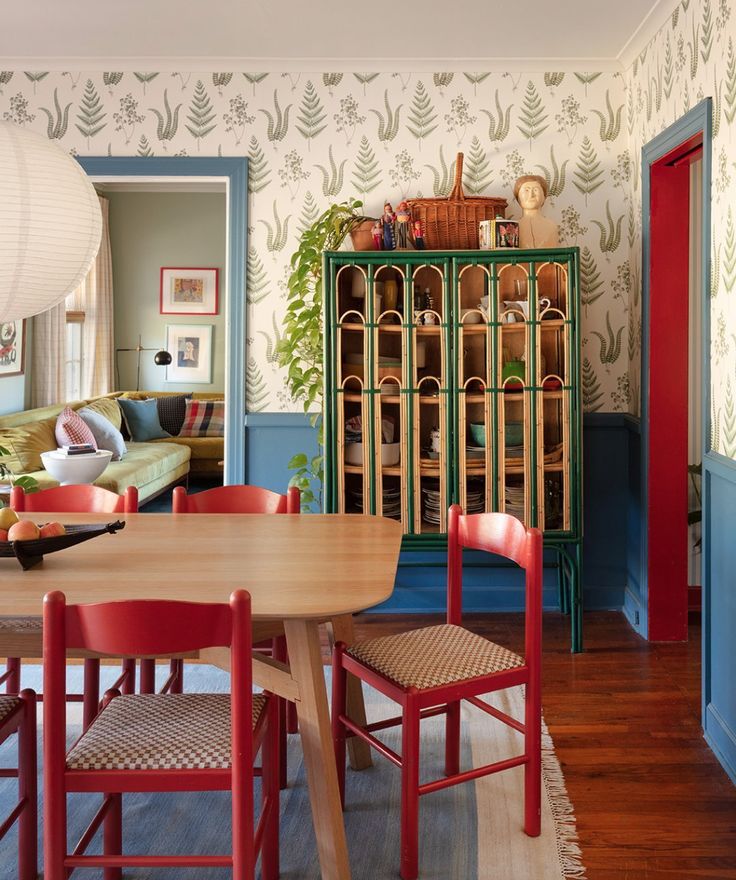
{"x":190,"y":347}
{"x":189,"y":291}
{"x":12,"y":348}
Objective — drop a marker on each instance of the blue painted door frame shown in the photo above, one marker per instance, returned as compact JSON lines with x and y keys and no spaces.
{"x":233,"y":171}
{"x":697,"y":120}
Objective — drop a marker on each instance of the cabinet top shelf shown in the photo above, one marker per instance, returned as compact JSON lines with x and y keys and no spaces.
{"x":501,"y":255}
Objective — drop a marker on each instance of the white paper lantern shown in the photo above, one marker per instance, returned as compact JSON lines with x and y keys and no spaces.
{"x":50,"y":223}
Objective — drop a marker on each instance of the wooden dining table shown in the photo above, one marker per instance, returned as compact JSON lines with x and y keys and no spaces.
{"x":300,"y":571}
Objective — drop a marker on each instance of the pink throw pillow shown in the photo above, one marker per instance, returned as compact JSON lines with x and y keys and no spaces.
{"x":71,"y":428}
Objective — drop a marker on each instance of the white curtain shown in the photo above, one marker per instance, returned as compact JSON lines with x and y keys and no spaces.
{"x":48,"y":373}
{"x":94,"y":298}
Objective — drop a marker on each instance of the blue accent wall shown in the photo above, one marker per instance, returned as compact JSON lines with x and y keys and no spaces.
{"x":719,"y":608}
{"x":273,"y":438}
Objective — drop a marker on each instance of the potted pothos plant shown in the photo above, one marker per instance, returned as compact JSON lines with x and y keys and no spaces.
{"x":300,"y":349}
{"x":7,"y":477}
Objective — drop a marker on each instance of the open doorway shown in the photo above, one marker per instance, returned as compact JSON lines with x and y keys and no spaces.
{"x":232,"y":174}
{"x":676,"y":245}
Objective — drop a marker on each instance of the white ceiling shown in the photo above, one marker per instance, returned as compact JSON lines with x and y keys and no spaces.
{"x":111,"y":34}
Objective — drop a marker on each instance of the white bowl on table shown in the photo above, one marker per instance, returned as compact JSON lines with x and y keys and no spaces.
{"x":73,"y":470}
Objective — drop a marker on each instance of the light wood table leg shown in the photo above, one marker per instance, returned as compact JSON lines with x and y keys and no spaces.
{"x":358,"y":750}
{"x":305,"y":660}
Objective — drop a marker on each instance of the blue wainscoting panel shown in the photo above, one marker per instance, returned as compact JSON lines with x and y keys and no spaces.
{"x":635,"y":611}
{"x":605,"y":468}
{"x":273,"y":438}
{"x":719,"y":608}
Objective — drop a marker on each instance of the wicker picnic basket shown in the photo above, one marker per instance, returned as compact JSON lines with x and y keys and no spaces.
{"x":452,"y":223}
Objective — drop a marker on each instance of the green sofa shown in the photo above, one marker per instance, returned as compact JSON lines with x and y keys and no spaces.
{"x":151,"y":467}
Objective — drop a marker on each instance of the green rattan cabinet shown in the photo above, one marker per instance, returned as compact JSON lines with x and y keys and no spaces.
{"x":454,"y":376}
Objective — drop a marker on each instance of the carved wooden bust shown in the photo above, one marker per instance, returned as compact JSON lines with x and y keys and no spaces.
{"x":535,"y":230}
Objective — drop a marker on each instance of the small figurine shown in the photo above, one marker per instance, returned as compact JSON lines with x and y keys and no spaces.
{"x":535,"y":230}
{"x":403,"y":219}
{"x":388,"y":218}
{"x":418,"y":234}
{"x":377,"y":231}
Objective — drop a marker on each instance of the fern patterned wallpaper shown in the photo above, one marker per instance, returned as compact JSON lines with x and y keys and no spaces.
{"x":317,"y":138}
{"x":691,"y":57}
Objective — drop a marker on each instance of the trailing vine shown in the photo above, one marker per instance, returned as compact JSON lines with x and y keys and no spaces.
{"x":300,"y":349}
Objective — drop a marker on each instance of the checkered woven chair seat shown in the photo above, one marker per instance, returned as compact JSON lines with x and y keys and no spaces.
{"x":434,"y":656}
{"x":7,"y":704}
{"x":160,"y":732}
{"x":21,"y":624}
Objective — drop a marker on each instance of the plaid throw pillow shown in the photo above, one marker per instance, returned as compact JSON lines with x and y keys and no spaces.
{"x":171,"y":412}
{"x":204,"y":418}
{"x":70,"y":428}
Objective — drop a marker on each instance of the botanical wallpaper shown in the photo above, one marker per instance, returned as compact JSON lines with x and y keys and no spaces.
{"x":317,"y":138}
{"x":691,"y":57}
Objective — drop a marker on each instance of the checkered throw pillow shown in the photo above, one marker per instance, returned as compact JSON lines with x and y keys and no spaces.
{"x":204,"y":418}
{"x":71,"y":428}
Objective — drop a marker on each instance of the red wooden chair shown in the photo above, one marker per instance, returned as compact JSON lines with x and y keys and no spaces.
{"x":69,"y":499}
{"x":18,"y":715}
{"x":158,"y":742}
{"x":248,"y":499}
{"x":236,"y":499}
{"x":74,"y":499}
{"x":429,"y":671}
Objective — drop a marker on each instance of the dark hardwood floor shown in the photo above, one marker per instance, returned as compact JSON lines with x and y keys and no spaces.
{"x":651,"y":801}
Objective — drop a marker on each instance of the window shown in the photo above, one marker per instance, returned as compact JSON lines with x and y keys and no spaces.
{"x":74,"y":353}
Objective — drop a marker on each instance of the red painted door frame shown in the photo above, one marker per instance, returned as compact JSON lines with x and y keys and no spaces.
{"x":667,"y":574}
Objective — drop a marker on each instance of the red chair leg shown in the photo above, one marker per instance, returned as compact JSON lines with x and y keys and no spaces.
{"x":91,"y":694}
{"x":27,"y":791}
{"x":278,"y":652}
{"x":452,"y":739}
{"x":270,"y":788}
{"x":410,"y":791}
{"x":148,"y":677}
{"x":112,"y":835}
{"x":128,"y":686}
{"x":339,"y":707}
{"x":12,"y":685}
{"x":533,"y":766}
{"x":283,"y":743}
{"x":176,"y":668}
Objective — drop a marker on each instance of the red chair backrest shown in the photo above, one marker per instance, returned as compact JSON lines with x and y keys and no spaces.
{"x":74,"y":499}
{"x":140,"y":628}
{"x":236,"y":499}
{"x":502,"y":535}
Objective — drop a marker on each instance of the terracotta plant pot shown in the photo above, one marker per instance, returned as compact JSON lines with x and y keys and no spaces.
{"x":362,"y":236}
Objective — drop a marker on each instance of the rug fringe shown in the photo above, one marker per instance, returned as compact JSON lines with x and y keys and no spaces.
{"x":568,"y":847}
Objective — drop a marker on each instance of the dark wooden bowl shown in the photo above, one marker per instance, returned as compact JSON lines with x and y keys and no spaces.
{"x":30,"y":553}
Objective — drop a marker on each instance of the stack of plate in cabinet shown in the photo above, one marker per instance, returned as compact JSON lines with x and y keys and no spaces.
{"x":475,"y":452}
{"x":515,"y":501}
{"x":476,"y":501}
{"x":431,"y":503}
{"x":391,"y":500}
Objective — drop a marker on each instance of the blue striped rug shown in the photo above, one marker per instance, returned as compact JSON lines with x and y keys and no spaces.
{"x":468,"y":832}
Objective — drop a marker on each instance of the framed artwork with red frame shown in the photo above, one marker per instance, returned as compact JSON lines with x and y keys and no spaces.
{"x":189,"y":291}
{"x":12,"y":348}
